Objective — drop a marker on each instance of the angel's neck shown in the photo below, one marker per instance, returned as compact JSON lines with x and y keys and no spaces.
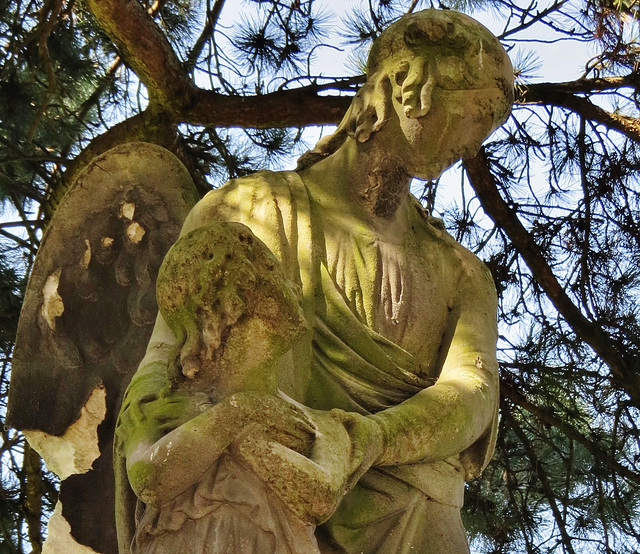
{"x":360,"y":178}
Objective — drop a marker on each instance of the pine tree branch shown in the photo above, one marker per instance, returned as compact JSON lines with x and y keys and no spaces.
{"x":104,"y":83}
{"x":628,"y":126}
{"x":535,"y":92}
{"x":28,"y":245}
{"x":537,"y":464}
{"x":49,"y":14}
{"x":145,"y":49}
{"x":283,"y":108}
{"x":533,"y":18}
{"x":563,"y":95}
{"x":511,"y":485}
{"x":508,"y":390}
{"x":213,"y":15}
{"x":506,"y":218}
{"x":148,"y":52}
{"x":109,"y":77}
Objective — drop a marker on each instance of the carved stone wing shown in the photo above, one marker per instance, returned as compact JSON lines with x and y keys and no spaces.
{"x":87,"y":317}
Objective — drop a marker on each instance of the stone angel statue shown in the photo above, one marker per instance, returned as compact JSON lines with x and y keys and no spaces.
{"x":394,"y":356}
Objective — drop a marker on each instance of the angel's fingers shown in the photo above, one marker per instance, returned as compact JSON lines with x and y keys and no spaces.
{"x":304,"y":424}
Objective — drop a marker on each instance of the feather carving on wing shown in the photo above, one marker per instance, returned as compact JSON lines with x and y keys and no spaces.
{"x":88,"y":314}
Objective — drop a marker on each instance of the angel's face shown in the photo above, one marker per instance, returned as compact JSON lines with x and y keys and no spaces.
{"x":443,"y":111}
{"x":450,"y":82}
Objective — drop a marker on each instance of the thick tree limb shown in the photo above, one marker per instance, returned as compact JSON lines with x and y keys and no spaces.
{"x":506,"y":218}
{"x":285,"y":108}
{"x":148,"y":52}
{"x":535,"y":92}
{"x":109,"y":77}
{"x":145,"y":49}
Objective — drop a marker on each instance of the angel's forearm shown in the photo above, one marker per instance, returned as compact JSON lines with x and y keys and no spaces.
{"x":448,"y":417}
{"x":171,"y":465}
{"x":440,"y":421}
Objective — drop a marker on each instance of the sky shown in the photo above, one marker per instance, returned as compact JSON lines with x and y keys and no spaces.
{"x":557,"y":62}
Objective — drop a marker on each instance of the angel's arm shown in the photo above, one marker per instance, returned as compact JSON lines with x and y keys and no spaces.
{"x":310,"y":487}
{"x":448,"y":417}
{"x":159,"y":471}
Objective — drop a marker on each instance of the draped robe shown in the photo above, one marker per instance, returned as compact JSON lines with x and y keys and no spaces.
{"x":383,"y":316}
{"x":385,"y":313}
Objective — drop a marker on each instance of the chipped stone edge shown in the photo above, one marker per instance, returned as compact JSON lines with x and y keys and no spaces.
{"x":52,"y":305}
{"x":59,"y":539}
{"x":76,"y":450}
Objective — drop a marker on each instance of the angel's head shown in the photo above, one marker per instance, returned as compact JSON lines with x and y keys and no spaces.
{"x":224,"y":295}
{"x":442,"y":78}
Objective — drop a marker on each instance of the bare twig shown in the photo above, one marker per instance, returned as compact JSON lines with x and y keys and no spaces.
{"x":537,"y":464}
{"x":508,"y":390}
{"x":213,"y":14}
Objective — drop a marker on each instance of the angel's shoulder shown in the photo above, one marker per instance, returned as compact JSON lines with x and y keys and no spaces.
{"x":465,"y":269}
{"x":237,"y":197}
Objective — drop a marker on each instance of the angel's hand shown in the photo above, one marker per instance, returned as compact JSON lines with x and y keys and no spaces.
{"x":281,"y":421}
{"x":311,"y":487}
{"x":366,"y":443}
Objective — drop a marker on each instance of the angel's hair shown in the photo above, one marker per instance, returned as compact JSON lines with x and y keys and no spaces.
{"x":421,"y":34}
{"x":217,"y":274}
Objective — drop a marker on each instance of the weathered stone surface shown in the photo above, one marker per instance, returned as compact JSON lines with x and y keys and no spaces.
{"x":74,"y":451}
{"x":59,"y":538}
{"x":396,"y":370}
{"x":324,"y":377}
{"x":271,"y":470}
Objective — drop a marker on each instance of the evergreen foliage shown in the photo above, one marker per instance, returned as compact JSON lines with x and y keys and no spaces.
{"x":552,"y":204}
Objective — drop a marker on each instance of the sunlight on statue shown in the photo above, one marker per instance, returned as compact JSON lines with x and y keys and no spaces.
{"x":322,"y":376}
{"x":392,"y":355}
